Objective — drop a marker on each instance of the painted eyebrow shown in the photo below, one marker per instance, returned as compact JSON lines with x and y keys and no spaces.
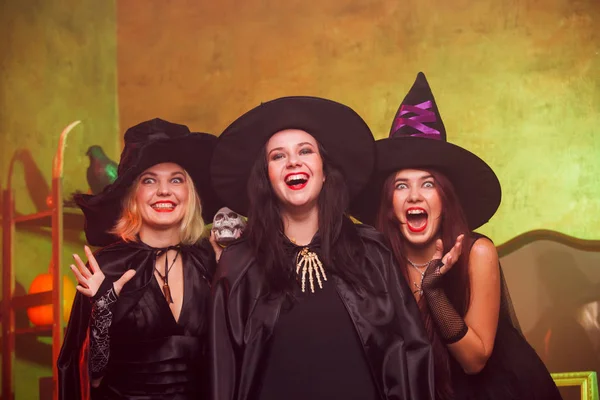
{"x":422,"y":178}
{"x":153,"y":174}
{"x":298,"y":145}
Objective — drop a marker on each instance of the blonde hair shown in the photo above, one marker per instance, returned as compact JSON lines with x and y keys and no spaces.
{"x":191,"y":228}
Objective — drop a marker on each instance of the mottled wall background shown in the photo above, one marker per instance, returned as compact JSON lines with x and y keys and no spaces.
{"x":57,"y":64}
{"x":517,"y":81}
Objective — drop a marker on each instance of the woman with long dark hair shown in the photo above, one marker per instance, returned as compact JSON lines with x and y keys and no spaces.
{"x":308,"y":305}
{"x":426,"y":194}
{"x":139,"y":323}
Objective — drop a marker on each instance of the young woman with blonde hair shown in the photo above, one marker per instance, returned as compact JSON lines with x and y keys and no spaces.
{"x":140,"y":315}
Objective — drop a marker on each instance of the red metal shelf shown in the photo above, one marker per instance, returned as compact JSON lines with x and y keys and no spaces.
{"x":32,"y":300}
{"x":44,"y":330}
{"x":32,"y":217}
{"x":57,"y":219}
{"x":72,"y":219}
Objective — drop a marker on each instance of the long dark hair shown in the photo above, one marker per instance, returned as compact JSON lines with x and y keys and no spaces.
{"x":340,"y":247}
{"x":456,"y":281}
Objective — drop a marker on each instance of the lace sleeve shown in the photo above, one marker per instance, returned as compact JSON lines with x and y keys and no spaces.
{"x":101,"y":319}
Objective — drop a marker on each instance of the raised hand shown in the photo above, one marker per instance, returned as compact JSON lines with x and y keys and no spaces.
{"x":90,"y":279}
{"x":450,"y":257}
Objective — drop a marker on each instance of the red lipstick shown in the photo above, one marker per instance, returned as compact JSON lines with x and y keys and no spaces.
{"x":296,"y":180}
{"x":416,"y":219}
{"x":170,"y":206}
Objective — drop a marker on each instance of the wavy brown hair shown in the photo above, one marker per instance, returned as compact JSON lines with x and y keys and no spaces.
{"x":456,"y":281}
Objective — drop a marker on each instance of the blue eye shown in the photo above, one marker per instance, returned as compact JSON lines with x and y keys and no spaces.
{"x":401,"y":186}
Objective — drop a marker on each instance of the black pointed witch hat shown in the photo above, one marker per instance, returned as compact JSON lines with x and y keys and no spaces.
{"x":418,"y":140}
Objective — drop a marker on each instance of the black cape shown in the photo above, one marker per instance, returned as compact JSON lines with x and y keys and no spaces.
{"x":114,"y":260}
{"x":392,"y":335}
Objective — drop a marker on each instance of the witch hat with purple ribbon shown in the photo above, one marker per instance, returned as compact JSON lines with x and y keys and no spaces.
{"x":418,"y":141}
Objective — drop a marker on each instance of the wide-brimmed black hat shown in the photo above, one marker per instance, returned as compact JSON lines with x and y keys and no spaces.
{"x":147,"y":144}
{"x":418,"y":140}
{"x":339,"y":130}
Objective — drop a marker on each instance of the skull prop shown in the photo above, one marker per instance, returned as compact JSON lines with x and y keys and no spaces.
{"x":227,"y":226}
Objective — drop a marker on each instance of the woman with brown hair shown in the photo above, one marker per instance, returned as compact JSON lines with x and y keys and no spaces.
{"x":139,"y":322}
{"x":426,"y":194}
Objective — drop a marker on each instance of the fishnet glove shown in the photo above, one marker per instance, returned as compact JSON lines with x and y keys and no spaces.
{"x":450,"y":324}
{"x":103,"y":304}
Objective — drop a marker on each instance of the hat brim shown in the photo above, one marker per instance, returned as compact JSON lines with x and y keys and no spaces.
{"x":476,"y":184}
{"x":343,"y":134}
{"x":192,"y":152}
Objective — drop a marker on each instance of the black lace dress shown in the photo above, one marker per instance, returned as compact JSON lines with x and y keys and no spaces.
{"x":514,"y":370}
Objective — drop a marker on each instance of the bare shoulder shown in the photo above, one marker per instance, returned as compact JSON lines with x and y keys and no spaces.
{"x":483,"y":257}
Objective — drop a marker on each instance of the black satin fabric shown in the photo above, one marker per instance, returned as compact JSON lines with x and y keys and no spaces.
{"x":152,"y":356}
{"x":389,"y":325}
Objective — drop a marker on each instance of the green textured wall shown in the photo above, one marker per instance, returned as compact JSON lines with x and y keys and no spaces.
{"x":57,"y":64}
{"x":517,"y":81}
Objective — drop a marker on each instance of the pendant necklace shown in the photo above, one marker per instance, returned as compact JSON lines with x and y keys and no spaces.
{"x":165,"y":277}
{"x":417,"y":267}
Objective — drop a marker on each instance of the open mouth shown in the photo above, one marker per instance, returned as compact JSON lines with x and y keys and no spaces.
{"x":416,"y":219}
{"x":163,"y":206}
{"x":296,"y":181}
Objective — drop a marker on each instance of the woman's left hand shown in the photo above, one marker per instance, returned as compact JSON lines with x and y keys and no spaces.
{"x":216,"y":247}
{"x":450,"y":257}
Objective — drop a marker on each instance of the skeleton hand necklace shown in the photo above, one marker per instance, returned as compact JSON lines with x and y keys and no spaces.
{"x":308,"y":261}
